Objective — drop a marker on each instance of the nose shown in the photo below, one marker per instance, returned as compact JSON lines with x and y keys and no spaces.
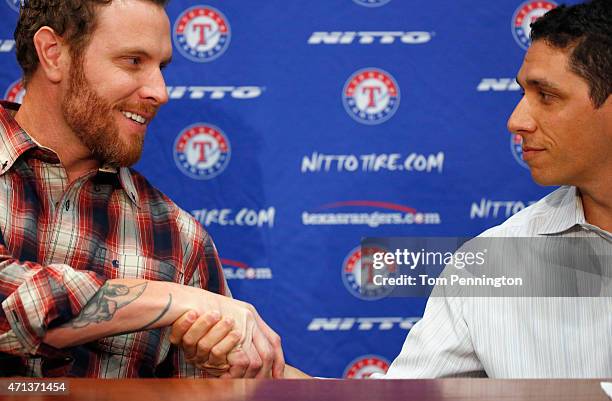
{"x":521,"y":122}
{"x":155,"y":88}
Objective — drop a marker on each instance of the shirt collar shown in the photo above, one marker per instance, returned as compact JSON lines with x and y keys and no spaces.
{"x":15,"y":141}
{"x":566,"y":212}
{"x":125,"y":177}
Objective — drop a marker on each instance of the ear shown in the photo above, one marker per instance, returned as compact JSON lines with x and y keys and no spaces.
{"x":52,"y":54}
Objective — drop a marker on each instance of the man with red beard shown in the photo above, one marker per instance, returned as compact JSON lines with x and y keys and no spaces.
{"x":95,"y":263}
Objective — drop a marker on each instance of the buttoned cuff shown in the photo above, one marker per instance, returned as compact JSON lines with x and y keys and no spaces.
{"x":50,"y":297}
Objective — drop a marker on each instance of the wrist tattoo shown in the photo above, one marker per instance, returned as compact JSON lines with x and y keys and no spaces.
{"x":161,"y":314}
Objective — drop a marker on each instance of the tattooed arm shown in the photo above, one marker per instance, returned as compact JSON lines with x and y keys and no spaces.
{"x":128,"y":305}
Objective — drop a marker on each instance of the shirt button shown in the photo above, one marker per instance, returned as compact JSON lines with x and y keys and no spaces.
{"x":67,"y":205}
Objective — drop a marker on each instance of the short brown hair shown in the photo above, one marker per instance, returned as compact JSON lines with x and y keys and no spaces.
{"x":586,"y":30}
{"x":74,"y":20}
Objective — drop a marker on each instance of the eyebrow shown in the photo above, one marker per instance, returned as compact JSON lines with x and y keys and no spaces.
{"x":542,"y":83}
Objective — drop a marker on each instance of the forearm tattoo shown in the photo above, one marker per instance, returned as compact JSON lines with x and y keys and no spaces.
{"x":161,"y":314}
{"x":103,"y":306}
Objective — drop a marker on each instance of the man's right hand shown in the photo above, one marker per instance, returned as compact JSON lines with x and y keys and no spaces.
{"x":210,"y":344}
{"x":231,"y":341}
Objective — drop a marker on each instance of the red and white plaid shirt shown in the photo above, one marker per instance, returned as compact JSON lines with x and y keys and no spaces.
{"x":60,"y":242}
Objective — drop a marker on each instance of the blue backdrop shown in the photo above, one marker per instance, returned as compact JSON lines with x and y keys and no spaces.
{"x":295,"y":128}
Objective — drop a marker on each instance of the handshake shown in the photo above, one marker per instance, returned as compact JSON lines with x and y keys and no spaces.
{"x":231,"y":342}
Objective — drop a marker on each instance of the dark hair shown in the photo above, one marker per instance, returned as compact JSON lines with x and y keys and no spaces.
{"x":74,"y":20}
{"x":585,"y":29}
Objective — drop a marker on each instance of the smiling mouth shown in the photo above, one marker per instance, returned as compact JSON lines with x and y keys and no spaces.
{"x":134,"y":117}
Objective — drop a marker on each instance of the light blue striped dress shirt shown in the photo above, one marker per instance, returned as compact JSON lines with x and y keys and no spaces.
{"x":516,"y":337}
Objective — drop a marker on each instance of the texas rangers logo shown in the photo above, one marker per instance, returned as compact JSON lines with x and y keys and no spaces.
{"x":202,"y":151}
{"x":15,"y":92}
{"x":371,"y":3}
{"x":371,"y":96}
{"x":526,"y":14}
{"x":14,"y":4}
{"x":364,"y":366}
{"x":358,"y":274}
{"x":516,"y":145}
{"x":201,"y":33}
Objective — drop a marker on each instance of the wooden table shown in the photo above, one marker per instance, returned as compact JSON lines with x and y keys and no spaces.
{"x":318,"y":390}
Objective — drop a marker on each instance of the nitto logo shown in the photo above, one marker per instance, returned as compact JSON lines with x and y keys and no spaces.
{"x":214,"y":92}
{"x":488,"y":208}
{"x":369,"y":37}
{"x":373,"y":162}
{"x":230,"y":217}
{"x":498,"y":85}
{"x":235,"y":270}
{"x":361,"y":323}
{"x":6,"y":45}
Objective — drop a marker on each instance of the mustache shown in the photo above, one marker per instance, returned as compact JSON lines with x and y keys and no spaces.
{"x":140,"y":108}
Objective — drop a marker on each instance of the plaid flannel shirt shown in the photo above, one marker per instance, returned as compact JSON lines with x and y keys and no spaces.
{"x":61,"y":241}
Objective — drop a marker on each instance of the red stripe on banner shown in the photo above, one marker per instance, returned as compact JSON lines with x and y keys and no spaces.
{"x":384,"y":205}
{"x":234,"y":263}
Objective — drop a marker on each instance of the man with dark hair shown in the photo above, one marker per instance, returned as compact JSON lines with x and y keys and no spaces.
{"x":95,"y":263}
{"x":565,"y":121}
